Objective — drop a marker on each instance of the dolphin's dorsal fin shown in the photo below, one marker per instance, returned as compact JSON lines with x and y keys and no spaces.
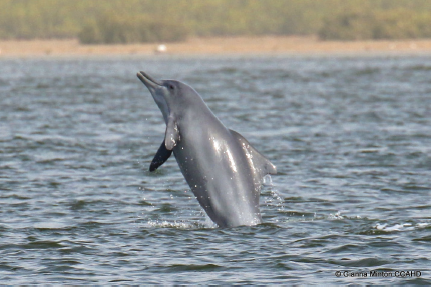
{"x":260,"y":163}
{"x":161,"y":156}
{"x":172,"y":134}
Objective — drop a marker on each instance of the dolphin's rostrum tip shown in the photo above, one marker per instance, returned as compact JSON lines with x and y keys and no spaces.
{"x":146,"y":78}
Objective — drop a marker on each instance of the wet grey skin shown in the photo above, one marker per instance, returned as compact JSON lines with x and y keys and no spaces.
{"x":224,"y":172}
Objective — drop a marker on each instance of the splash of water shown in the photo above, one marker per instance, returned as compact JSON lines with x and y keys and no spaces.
{"x":336,"y":216}
{"x":275,"y":198}
{"x":267,"y":180}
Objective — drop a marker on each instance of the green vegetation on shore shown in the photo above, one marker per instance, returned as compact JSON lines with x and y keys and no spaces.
{"x":111,"y":29}
{"x":120,"y":21}
{"x":369,"y":24}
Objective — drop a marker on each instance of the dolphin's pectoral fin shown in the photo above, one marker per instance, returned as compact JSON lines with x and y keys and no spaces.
{"x":260,"y":163}
{"x":172,"y":134}
{"x":161,"y":156}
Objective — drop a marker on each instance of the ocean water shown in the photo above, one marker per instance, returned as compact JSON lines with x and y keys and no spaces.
{"x":350,"y":136}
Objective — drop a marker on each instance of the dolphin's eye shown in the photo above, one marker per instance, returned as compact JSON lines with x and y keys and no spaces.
{"x":171,"y":87}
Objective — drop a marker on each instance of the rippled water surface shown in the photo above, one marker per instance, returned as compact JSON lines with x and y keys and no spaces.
{"x":350,"y":136}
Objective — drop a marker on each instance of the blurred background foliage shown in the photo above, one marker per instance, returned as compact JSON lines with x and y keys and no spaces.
{"x":368,"y":24}
{"x":127,"y":21}
{"x":112,"y":28}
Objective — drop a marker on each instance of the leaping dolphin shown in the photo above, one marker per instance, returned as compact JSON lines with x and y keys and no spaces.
{"x":224,"y":171}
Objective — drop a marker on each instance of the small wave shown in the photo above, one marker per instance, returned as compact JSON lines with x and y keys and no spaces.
{"x":44,"y":244}
{"x":52,"y":224}
{"x":336,"y":216}
{"x":224,"y":70}
{"x":364,"y":262}
{"x":194,"y":267}
{"x":419,"y":68}
{"x":367,"y":71}
{"x":400,"y":227}
{"x":425,"y":239}
{"x":166,"y":208}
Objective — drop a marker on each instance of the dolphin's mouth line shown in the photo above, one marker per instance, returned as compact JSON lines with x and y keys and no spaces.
{"x":153,"y":85}
{"x":145,"y":78}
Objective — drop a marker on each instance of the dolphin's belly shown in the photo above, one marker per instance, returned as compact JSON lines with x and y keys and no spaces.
{"x":219,"y":175}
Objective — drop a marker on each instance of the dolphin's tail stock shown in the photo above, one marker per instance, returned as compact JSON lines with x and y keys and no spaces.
{"x":259,"y":162}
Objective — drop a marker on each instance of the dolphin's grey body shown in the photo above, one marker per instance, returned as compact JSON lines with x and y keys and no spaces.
{"x":223,"y":170}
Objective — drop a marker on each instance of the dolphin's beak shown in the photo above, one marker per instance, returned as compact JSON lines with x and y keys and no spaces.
{"x":149,"y":82}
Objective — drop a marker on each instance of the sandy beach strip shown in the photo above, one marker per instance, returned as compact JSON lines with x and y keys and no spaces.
{"x":214,"y":46}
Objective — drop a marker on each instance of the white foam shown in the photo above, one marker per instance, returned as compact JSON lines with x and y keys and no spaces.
{"x":336,"y":216}
{"x":400,"y":227}
{"x":167,"y":224}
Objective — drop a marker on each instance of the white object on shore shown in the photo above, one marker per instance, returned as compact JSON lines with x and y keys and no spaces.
{"x":161,"y":48}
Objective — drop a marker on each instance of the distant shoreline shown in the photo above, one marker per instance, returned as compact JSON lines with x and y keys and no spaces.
{"x":215,"y":46}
